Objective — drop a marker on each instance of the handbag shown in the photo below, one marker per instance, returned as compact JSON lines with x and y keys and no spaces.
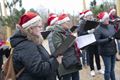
{"x":70,"y":59}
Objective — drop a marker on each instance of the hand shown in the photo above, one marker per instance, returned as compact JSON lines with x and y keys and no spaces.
{"x":117,"y":19}
{"x":111,"y":38}
{"x":59,"y":59}
{"x":91,"y":31}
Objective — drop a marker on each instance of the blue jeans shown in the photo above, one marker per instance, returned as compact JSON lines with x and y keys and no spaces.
{"x":109,"y":62}
{"x":119,"y":46}
{"x":72,"y":76}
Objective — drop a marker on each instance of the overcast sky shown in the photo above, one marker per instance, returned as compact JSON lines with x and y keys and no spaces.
{"x":70,"y":6}
{"x":57,"y":5}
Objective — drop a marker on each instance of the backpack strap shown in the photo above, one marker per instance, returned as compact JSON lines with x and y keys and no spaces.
{"x":20,"y":72}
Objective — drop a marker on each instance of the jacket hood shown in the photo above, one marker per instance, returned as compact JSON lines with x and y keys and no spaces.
{"x":17,"y":38}
{"x":59,"y":28}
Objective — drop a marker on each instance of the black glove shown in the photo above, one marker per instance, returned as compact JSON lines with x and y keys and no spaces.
{"x":110,"y":39}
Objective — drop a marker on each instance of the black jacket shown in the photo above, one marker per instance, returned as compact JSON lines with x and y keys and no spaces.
{"x":106,"y":46}
{"x":80,"y":29}
{"x":38,"y":65}
{"x":5,"y":52}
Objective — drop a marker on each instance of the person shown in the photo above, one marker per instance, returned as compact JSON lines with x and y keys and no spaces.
{"x":61,"y":31}
{"x":92,"y":49}
{"x":4,"y":50}
{"x":106,"y":44}
{"x":113,"y":18}
{"x":80,"y":32}
{"x":28,"y":51}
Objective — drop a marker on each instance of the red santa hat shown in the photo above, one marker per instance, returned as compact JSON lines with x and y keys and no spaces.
{"x":52,"y":14}
{"x":87,"y":13}
{"x":81,"y":14}
{"x":52,"y":19}
{"x":63,"y":18}
{"x":2,"y":43}
{"x":29,"y":19}
{"x":111,"y":11}
{"x":102,"y":16}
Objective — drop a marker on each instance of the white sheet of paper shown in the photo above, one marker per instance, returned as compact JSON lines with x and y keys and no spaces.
{"x":85,"y":40}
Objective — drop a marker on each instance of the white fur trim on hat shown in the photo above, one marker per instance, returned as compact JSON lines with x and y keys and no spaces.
{"x":54,"y":21}
{"x":106,"y":15}
{"x":113,"y":10}
{"x":54,"y":15}
{"x":88,"y":13}
{"x":63,"y":20}
{"x":80,"y":16}
{"x":33,"y":22}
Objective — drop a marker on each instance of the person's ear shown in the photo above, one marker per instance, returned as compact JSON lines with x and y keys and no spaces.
{"x":30,"y":29}
{"x":20,"y":28}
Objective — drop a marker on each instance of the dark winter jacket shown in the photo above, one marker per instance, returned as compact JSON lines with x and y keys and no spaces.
{"x":34,"y":58}
{"x":80,"y":29}
{"x":106,"y":46}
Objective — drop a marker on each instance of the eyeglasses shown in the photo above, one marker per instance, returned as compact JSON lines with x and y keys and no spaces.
{"x":41,"y":27}
{"x":68,"y":22}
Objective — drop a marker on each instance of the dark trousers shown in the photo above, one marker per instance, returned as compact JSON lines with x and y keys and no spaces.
{"x":109,"y":62}
{"x":92,"y":50}
{"x":72,"y":76}
{"x":0,"y":74}
{"x":118,"y":46}
{"x":97,"y":60}
{"x":85,"y":57}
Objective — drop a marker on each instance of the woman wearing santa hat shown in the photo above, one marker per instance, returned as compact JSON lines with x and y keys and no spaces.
{"x":60,"y":33}
{"x":106,"y":44}
{"x":92,"y":50}
{"x":29,"y":52}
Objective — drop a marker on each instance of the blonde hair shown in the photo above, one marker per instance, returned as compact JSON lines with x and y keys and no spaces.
{"x":36,"y":39}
